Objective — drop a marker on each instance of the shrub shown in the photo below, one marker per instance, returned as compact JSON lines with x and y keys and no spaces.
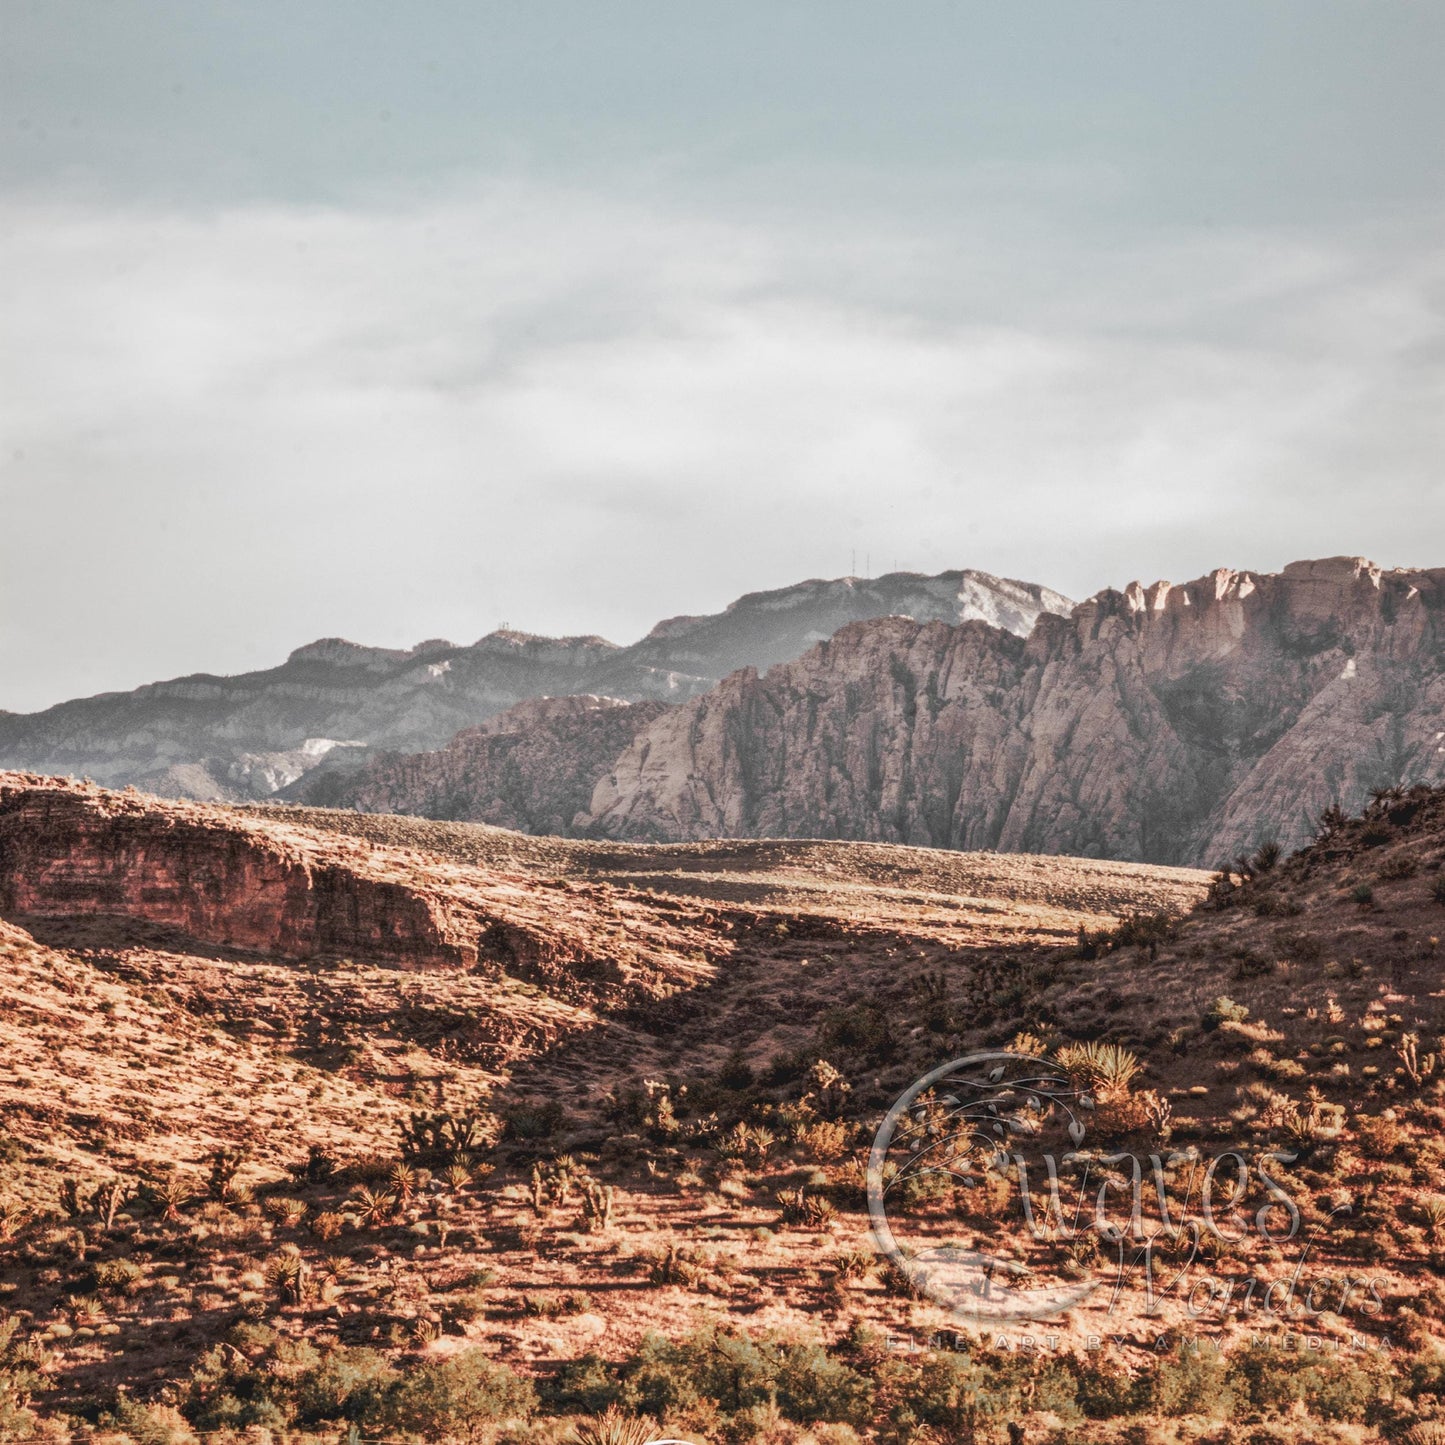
{"x":862,"y":1027}
{"x":345,"y":1384}
{"x":151,"y":1424}
{"x":1146,"y":930}
{"x":533,"y":1121}
{"x":736,"y":1073}
{"x":588,"y":1385}
{"x":326,"y":1225}
{"x":464,"y":1395}
{"x":826,"y":1139}
{"x":741,"y":1374}
{"x":1193,"y":1383}
{"x":115,"y":1276}
{"x":1223,"y":1010}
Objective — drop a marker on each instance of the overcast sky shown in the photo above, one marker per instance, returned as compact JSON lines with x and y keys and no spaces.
{"x":395,"y":321}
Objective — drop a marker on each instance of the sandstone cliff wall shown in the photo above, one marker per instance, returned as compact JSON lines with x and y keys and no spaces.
{"x":1173,"y":724}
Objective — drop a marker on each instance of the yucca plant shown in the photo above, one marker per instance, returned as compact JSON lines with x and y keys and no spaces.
{"x":168,"y":1194}
{"x":760,"y":1142}
{"x":404,"y":1183}
{"x":808,"y":1210}
{"x":733,"y":1143}
{"x":1427,"y":1432}
{"x":1432,"y":1213}
{"x":286,"y":1212}
{"x":613,"y":1427}
{"x":855,"y":1264}
{"x":1106,"y":1069}
{"x":375,"y":1206}
{"x":289,"y":1275}
{"x":13,"y":1218}
{"x":87,"y":1310}
{"x":560,"y":1176}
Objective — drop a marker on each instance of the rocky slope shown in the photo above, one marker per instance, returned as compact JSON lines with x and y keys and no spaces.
{"x":532,"y":768}
{"x":1176,"y":724}
{"x":71,"y":850}
{"x":249,"y":736}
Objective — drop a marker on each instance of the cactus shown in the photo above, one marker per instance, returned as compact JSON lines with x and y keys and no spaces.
{"x":221,"y":1184}
{"x":596,"y":1205}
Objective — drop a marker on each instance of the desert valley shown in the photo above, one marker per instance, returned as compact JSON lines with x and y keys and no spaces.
{"x":491,"y":1043}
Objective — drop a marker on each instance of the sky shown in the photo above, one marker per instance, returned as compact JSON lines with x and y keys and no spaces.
{"x":395,"y":322}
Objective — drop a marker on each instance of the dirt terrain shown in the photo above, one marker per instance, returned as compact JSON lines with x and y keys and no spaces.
{"x":627,"y":1129}
{"x":972,"y":896}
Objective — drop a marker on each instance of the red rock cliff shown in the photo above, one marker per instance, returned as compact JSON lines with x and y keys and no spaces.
{"x":74,"y":849}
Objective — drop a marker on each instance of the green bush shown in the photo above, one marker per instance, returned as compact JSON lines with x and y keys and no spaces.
{"x":1223,"y":1010}
{"x":459,"y":1395}
{"x":1195,"y":1382}
{"x":150,"y":1424}
{"x":739,"y":1373}
{"x":350,"y":1384}
{"x":862,"y":1028}
{"x":586,"y":1387}
{"x":115,"y":1276}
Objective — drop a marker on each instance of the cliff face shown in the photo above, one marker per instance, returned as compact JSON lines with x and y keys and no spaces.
{"x":1170,"y":724}
{"x":219,"y":738}
{"x":532,"y":768}
{"x":69,"y":849}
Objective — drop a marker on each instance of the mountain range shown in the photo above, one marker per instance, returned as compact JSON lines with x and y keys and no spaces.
{"x":1177,"y":724}
{"x":232,"y":738}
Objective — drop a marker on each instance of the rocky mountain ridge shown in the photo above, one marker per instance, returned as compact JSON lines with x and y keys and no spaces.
{"x":252,"y":735}
{"x":1170,"y":724}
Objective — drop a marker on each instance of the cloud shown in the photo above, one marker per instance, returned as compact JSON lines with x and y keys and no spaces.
{"x":228,"y":431}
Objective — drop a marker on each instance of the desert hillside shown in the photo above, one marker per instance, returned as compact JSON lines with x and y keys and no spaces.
{"x":318,"y":1119}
